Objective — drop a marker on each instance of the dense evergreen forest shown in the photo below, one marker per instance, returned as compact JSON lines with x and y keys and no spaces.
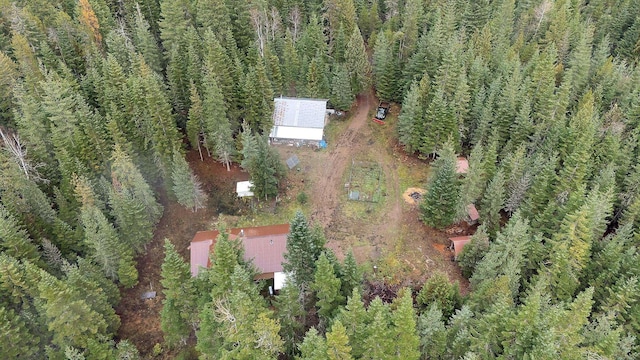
{"x":100,"y":99}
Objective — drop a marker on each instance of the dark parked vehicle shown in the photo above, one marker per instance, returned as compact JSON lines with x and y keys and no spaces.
{"x":381,"y":112}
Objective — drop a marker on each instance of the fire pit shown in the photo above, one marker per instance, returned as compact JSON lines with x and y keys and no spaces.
{"x":413,"y":195}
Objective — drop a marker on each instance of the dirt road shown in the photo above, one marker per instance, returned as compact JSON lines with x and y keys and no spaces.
{"x":357,"y":139}
{"x":328,"y":186}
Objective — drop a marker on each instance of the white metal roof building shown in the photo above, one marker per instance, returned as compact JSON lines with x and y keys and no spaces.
{"x":298,"y":119}
{"x":243,"y":188}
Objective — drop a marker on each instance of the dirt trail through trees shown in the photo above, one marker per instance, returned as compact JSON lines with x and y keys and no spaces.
{"x":328,"y":186}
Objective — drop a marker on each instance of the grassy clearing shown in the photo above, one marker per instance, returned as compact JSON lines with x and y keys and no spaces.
{"x":267,"y":213}
{"x":334,"y":128}
{"x":273,"y":212}
{"x":412,"y":176}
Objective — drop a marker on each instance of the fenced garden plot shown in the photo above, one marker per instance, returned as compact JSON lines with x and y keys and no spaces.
{"x":364,"y":183}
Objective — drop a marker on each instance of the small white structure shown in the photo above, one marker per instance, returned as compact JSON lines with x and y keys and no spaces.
{"x":298,"y":119}
{"x":279,"y":279}
{"x":243,"y":188}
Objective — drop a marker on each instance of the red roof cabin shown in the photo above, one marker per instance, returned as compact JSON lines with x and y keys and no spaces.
{"x":458,"y":244}
{"x":265,"y":246}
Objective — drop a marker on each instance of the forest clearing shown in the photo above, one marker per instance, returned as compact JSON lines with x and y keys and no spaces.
{"x":508,"y":130}
{"x":387,"y":234}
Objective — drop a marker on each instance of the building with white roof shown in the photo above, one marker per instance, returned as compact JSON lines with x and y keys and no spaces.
{"x":298,"y":119}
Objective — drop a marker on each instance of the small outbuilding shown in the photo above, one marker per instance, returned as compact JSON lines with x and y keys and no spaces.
{"x":243,"y":188}
{"x":472,"y":213}
{"x":298,"y":119}
{"x":458,"y":244}
{"x":462,"y":165}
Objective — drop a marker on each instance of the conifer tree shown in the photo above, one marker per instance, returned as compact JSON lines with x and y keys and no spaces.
{"x":314,"y":346}
{"x":101,"y":237}
{"x":354,"y":315}
{"x":440,"y":203}
{"x":289,"y":312}
{"x":327,"y":287}
{"x":378,"y":344}
{"x":433,"y":335}
{"x":582,"y":131}
{"x":493,"y":202}
{"x":159,"y":126}
{"x":227,"y":254}
{"x":195,"y":123}
{"x":86,"y":283}
{"x":440,"y":291}
{"x":218,"y":134}
{"x":213,"y":15}
{"x":178,"y":311}
{"x":186,"y":185}
{"x":340,"y":14}
{"x":178,"y":79}
{"x":290,"y":63}
{"x":441,"y":125}
{"x":571,"y":246}
{"x":223,"y":67}
{"x":317,"y":83}
{"x":70,"y":319}
{"x":339,"y":46}
{"x":7,"y":81}
{"x":382,"y":55}
{"x":403,"y":320}
{"x":515,"y":252}
{"x":611,"y":261}
{"x":176,"y":17}
{"x":145,"y":42}
{"x":341,"y":94}
{"x":302,"y":252}
{"x":258,"y":103}
{"x":274,"y":71}
{"x":350,"y":275}
{"x":264,"y":166}
{"x":410,"y":118}
{"x":357,"y":62}
{"x":338,"y":343}
{"x":14,"y":239}
{"x":473,"y":184}
{"x":542,"y":86}
{"x":15,"y":339}
{"x":132,"y":201}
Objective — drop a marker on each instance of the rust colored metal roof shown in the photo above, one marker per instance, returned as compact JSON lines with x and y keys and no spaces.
{"x":264,"y":245}
{"x":462,"y":165}
{"x":458,"y":243}
{"x":472,"y":212}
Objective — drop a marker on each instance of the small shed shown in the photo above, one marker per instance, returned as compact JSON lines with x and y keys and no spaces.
{"x":472,"y":212}
{"x":458,"y":243}
{"x":293,"y":161}
{"x":243,"y":188}
{"x":462,"y":165}
{"x":298,"y":119}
